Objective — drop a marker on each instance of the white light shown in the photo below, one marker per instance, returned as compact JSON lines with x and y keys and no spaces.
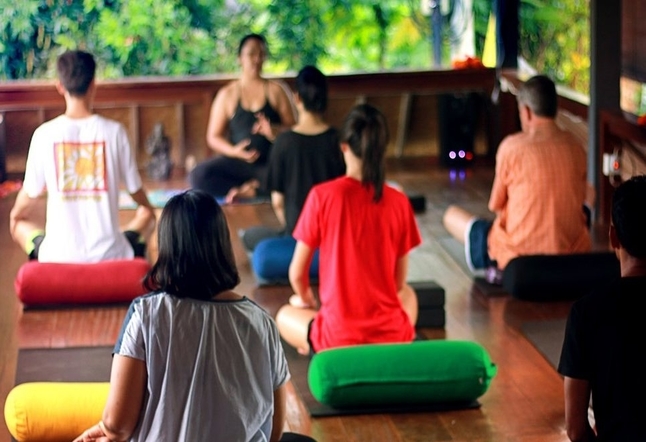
{"x":452,"y":155}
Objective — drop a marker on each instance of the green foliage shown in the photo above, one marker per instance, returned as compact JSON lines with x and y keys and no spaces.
{"x":554,"y":38}
{"x":196,"y":37}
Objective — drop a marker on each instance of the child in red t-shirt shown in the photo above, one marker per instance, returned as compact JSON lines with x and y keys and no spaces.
{"x":364,"y":231}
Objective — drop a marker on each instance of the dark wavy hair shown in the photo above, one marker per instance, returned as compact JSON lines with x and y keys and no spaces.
{"x":311,"y":86}
{"x":629,"y":215}
{"x":76,"y":71}
{"x":366,"y":132}
{"x":195,"y":256}
{"x":539,"y":94}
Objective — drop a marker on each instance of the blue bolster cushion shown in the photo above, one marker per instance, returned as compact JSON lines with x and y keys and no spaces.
{"x":271,"y":258}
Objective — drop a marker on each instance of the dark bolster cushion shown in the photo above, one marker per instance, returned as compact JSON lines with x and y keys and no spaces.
{"x":39,"y":283}
{"x":271,"y":258}
{"x":421,"y":372}
{"x":554,"y":277}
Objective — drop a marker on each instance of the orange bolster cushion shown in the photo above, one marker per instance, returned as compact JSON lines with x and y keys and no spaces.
{"x":39,"y":283}
{"x":54,"y":411}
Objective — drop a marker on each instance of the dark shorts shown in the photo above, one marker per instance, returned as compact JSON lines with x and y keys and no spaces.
{"x":136,"y":242}
{"x":475,"y":245}
{"x":309,"y":341}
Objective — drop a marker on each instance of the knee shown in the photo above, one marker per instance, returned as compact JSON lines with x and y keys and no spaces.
{"x":449,"y":214}
{"x":282,"y":317}
{"x":196,"y":176}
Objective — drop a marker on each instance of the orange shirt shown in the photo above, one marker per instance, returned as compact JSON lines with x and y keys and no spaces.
{"x":538,"y":194}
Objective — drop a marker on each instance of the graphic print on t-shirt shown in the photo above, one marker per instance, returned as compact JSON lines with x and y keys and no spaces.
{"x":80,"y":167}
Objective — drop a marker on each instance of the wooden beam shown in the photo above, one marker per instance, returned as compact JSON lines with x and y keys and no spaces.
{"x":402,"y":124}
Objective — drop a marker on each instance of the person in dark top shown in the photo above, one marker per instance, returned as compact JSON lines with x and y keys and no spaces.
{"x":245,"y":118}
{"x":604,"y":336}
{"x":306,"y":155}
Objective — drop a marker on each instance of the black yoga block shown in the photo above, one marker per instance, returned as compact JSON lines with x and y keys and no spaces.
{"x":430,"y":300}
{"x":431,"y":317}
{"x":417,"y":202}
{"x":429,"y":294}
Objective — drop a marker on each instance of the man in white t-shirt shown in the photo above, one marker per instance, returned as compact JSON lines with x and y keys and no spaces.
{"x":77,"y":161}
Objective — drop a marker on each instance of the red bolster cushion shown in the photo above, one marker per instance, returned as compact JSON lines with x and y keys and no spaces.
{"x":39,"y":283}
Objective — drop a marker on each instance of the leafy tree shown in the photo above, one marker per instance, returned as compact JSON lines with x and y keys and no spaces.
{"x":34,"y":32}
{"x":195,"y":37}
{"x":554,"y":38}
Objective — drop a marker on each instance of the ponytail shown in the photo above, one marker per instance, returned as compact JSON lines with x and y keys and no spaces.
{"x":365,"y":131}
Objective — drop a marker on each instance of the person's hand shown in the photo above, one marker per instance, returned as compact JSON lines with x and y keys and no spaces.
{"x":240,"y":151}
{"x":92,"y":434}
{"x":297,"y":300}
{"x":263,"y":127}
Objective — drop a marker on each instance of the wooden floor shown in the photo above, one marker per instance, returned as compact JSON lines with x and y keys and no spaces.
{"x":524,"y":402}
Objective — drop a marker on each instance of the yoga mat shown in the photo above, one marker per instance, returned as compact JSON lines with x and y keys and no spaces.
{"x":93,"y":364}
{"x":547,"y":337}
{"x":159,"y":197}
{"x":298,"y":366}
{"x":73,"y":364}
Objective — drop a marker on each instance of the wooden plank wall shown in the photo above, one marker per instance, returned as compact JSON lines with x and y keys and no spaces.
{"x":408,"y":100}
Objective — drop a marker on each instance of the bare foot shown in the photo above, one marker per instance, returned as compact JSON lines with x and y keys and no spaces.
{"x":247,"y":190}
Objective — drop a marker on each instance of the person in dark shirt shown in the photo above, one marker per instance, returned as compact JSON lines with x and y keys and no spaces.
{"x":245,"y":118}
{"x":306,"y":155}
{"x":601,"y":355}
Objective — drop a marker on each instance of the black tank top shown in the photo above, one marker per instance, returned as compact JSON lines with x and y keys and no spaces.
{"x":242,"y":122}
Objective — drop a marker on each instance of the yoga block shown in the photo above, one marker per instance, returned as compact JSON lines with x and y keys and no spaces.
{"x":50,"y":283}
{"x":421,"y":372}
{"x":429,"y":294}
{"x":54,"y":411}
{"x":558,"y":277}
{"x":430,"y":301}
{"x":431,"y":318}
{"x":417,"y":202}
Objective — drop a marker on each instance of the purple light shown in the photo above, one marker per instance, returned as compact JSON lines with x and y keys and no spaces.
{"x":461,"y":154}
{"x":452,"y":155}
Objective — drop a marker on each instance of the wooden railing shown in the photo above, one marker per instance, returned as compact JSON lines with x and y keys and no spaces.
{"x":182,"y":105}
{"x":618,"y":134}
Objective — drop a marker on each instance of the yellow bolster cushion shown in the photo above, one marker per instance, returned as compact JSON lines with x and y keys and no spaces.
{"x":54,"y":411}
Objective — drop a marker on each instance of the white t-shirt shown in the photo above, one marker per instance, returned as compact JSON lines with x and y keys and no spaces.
{"x":81,"y":163}
{"x":213,"y":367}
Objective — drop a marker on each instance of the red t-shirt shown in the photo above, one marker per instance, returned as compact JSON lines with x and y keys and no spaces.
{"x":360,"y":242}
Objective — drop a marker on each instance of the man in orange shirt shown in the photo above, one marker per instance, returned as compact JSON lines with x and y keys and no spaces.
{"x":538,"y":191}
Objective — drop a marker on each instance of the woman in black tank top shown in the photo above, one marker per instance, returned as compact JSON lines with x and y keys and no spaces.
{"x":246,"y":116}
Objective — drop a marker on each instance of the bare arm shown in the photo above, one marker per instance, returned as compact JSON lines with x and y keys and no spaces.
{"x":285,"y":107}
{"x":401,"y":271}
{"x":278,"y":203}
{"x":125,"y":400}
{"x":141,"y":199}
{"x":22,"y":210}
{"x":280,"y":412}
{"x":577,"y":398}
{"x":126,"y":396}
{"x":299,"y":273}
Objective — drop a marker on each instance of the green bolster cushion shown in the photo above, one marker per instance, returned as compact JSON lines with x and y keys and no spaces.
{"x":417,"y":373}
